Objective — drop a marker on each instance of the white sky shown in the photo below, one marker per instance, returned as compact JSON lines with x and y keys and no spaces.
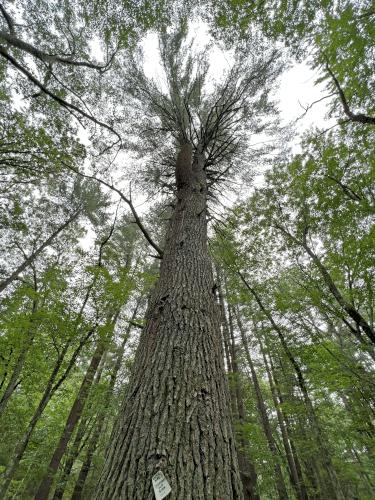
{"x":297,"y":88}
{"x":297,"y":84}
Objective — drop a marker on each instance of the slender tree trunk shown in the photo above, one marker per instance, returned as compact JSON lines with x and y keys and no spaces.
{"x":352,"y":312}
{"x":87,"y":463}
{"x":24,"y":441}
{"x":76,"y":446}
{"x":51,"y":386}
{"x":332,"y":483}
{"x":71,"y":422}
{"x":248,"y":472}
{"x":49,"y":391}
{"x":5,"y":283}
{"x":311,"y":461}
{"x":363,"y":473}
{"x":295,"y":471}
{"x":72,"y":454}
{"x":176,"y":418}
{"x":224,"y":322}
{"x":289,"y":432}
{"x":355,"y":315}
{"x":280,"y":485}
{"x":280,"y":400}
{"x":14,"y":378}
{"x":86,"y":466}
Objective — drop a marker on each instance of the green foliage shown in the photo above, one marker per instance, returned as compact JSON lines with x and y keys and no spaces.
{"x":311,"y":218}
{"x":337,"y":34}
{"x":322,"y":199}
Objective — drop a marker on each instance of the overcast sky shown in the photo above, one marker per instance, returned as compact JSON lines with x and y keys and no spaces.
{"x":297,"y":87}
{"x":296,"y":91}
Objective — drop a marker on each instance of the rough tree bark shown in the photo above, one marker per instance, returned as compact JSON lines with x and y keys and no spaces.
{"x":177,"y":417}
{"x":86,"y":466}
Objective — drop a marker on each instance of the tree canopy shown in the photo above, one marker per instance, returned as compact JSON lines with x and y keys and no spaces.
{"x":186,"y":279}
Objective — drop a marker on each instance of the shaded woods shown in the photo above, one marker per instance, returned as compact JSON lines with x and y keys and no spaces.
{"x":159,"y":310}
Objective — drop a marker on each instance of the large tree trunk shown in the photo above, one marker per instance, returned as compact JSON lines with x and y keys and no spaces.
{"x":177,"y":416}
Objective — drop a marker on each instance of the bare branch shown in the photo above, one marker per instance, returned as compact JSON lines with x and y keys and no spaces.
{"x":309,"y":106}
{"x":355,"y":117}
{"x":8,"y":19}
{"x":49,"y":58}
{"x":138,"y":221}
{"x":62,"y":102}
{"x":107,"y":238}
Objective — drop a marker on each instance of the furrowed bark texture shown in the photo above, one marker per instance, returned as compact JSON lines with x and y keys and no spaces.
{"x":177,"y":416}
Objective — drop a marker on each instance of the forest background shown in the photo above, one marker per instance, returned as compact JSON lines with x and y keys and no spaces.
{"x":88,"y":134}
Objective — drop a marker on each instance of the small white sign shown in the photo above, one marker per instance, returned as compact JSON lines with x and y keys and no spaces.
{"x":161,"y":486}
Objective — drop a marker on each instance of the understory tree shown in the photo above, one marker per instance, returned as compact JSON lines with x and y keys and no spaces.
{"x":297,"y":255}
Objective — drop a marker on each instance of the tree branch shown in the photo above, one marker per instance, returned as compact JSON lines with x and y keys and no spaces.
{"x":106,"y":239}
{"x":352,"y":312}
{"x":347,"y":190}
{"x":138,"y":221}
{"x":309,"y":106}
{"x":62,"y":102}
{"x":44,"y":56}
{"x":8,"y":19}
{"x":355,"y":117}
